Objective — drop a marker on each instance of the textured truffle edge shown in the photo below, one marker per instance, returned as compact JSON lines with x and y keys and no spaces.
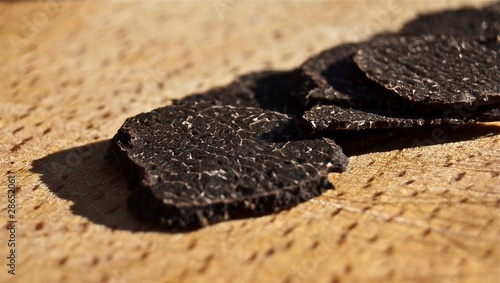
{"x":145,"y":206}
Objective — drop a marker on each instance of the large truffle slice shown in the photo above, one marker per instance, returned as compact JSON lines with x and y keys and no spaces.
{"x":193,"y":167}
{"x":437,"y":71}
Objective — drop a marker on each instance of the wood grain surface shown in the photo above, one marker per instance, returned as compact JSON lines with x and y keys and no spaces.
{"x":71,"y":72}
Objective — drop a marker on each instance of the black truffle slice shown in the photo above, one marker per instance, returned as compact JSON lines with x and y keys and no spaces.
{"x":435,"y":71}
{"x":483,"y":22}
{"x":333,"y":117}
{"x":192,"y":167}
{"x":332,"y":77}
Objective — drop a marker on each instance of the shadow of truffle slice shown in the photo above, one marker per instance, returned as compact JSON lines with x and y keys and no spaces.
{"x":331,"y":77}
{"x":190,"y":167}
{"x":471,"y":21}
{"x":267,"y":90}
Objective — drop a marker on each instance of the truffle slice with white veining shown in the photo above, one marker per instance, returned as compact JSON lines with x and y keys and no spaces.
{"x":435,"y":71}
{"x":194,"y":167}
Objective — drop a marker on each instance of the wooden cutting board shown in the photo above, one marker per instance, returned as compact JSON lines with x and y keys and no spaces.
{"x":71,"y":72}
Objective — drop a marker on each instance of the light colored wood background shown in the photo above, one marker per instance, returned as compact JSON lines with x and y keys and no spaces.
{"x":71,"y":72}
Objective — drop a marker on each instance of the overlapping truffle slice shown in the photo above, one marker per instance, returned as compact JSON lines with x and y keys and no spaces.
{"x":332,"y":77}
{"x":333,"y":117}
{"x":191,"y":168}
{"x":435,"y":71}
{"x":481,"y":23}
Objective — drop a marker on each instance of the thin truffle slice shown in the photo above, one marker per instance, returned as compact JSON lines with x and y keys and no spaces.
{"x":436,"y":71}
{"x":192,"y":167}
{"x":333,"y":117}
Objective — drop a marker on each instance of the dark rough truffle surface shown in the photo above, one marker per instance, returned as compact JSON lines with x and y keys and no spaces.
{"x":193,"y":167}
{"x":438,"y":71}
{"x":333,"y":117}
{"x":466,"y":21}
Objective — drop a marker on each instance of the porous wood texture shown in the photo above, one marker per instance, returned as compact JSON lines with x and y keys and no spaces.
{"x":423,"y":207}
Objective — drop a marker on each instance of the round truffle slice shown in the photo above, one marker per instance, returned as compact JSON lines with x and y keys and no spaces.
{"x":192,"y":167}
{"x":435,"y":71}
